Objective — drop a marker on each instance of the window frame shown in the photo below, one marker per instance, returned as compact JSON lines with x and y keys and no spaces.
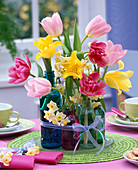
{"x":91,"y":8}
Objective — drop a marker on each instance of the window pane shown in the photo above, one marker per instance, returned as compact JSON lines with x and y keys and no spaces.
{"x":22,"y":12}
{"x":66,"y":8}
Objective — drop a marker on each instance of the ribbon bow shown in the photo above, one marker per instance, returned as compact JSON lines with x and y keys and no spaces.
{"x":86,"y":129}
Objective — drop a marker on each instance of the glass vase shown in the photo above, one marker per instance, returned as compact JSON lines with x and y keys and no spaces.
{"x":86,"y":118}
{"x":50,"y":137}
{"x":100,"y":113}
{"x":70,"y":137}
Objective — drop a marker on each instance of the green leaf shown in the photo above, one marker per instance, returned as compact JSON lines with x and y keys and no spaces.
{"x":103,"y":104}
{"x":65,"y":50}
{"x":69,"y":86}
{"x":40,"y":71}
{"x":67,"y":40}
{"x":80,"y":55}
{"x":77,"y":41}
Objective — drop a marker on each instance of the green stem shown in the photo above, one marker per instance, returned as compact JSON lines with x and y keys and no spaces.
{"x":85,"y":52}
{"x":104,"y":72}
{"x":47,"y":63}
{"x":86,"y":56}
{"x":86,"y":121}
{"x":62,"y":94}
{"x":32,"y":75}
{"x":76,"y":106}
{"x":59,"y":38}
{"x":84,"y":39}
{"x":76,"y":82}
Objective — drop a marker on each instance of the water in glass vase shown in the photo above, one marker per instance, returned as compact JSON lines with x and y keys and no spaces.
{"x":50,"y":137}
{"x":100,"y":113}
{"x":86,"y":118}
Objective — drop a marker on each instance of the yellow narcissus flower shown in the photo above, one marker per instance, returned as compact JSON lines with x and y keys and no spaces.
{"x":119,"y":80}
{"x":73,"y":67}
{"x":47,"y":47}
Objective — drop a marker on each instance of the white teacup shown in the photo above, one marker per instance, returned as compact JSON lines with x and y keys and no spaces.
{"x":6,"y":113}
{"x":131,"y":108}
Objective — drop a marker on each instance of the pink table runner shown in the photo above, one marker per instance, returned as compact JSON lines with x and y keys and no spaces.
{"x":120,"y":164}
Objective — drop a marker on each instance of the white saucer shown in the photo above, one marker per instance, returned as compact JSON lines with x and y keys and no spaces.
{"x":25,"y":124}
{"x":125,"y":121}
{"x":130,"y":160}
{"x":11,"y":127}
{"x":111,"y":119}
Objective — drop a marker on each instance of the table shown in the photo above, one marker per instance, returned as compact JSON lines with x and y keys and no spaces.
{"x":120,"y":164}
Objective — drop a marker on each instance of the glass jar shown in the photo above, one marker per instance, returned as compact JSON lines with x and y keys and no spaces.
{"x":70,"y":137}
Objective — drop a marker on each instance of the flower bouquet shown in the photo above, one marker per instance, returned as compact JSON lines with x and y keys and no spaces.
{"x":71,"y":94}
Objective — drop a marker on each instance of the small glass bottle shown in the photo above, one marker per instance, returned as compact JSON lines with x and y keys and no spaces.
{"x":50,"y":137}
{"x":70,"y":137}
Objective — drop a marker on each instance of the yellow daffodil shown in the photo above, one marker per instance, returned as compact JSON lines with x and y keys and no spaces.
{"x":47,"y":47}
{"x":73,"y":67}
{"x":119,"y":80}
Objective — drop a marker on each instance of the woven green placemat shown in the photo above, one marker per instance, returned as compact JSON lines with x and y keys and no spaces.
{"x":121,"y":144}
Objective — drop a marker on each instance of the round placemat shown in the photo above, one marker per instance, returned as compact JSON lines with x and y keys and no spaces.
{"x":121,"y":144}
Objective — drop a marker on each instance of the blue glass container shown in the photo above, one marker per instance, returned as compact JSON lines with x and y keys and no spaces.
{"x":50,"y":137}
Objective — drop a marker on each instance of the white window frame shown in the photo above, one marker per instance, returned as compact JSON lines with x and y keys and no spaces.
{"x":87,"y":9}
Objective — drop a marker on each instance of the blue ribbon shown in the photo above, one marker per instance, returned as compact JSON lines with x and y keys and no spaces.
{"x":25,"y":147}
{"x":86,"y":129}
{"x":20,"y":150}
{"x":5,"y":149}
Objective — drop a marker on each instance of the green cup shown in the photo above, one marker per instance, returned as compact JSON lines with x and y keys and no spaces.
{"x":131,"y":108}
{"x":6,"y":113}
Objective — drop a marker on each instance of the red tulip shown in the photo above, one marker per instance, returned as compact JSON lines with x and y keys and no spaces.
{"x":20,"y":72}
{"x":97,"y":53}
{"x":90,"y":86}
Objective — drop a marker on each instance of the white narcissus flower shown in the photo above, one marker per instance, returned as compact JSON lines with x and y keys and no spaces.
{"x":49,"y":115}
{"x":73,"y":99}
{"x":52,"y":106}
{"x":55,"y":121}
{"x":60,"y":87}
{"x":95,"y":104}
{"x":60,"y":116}
{"x":33,"y":150}
{"x":5,"y":158}
{"x":64,"y":121}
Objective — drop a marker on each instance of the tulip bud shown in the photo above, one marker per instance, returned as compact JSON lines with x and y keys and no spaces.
{"x":97,"y":27}
{"x":53,"y":25}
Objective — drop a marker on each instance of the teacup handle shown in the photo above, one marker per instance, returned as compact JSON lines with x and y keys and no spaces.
{"x":120,"y":107}
{"x":13,"y":121}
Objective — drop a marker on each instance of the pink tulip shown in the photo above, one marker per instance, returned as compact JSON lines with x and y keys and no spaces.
{"x":97,"y":27}
{"x":90,"y":86}
{"x":20,"y":72}
{"x":38,"y":87}
{"x":53,"y":25}
{"x":97,"y":53}
{"x":114,"y":53}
